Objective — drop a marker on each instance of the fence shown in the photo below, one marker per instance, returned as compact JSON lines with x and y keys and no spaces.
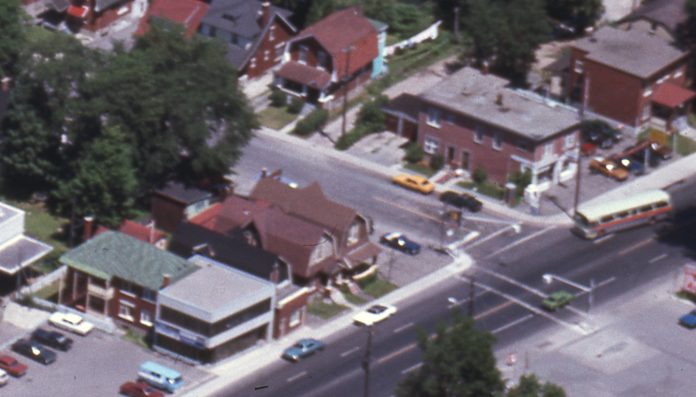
{"x":44,"y":281}
{"x":429,"y":33}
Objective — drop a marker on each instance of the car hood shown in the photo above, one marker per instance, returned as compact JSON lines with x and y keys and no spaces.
{"x":689,"y":319}
{"x":292,"y":351}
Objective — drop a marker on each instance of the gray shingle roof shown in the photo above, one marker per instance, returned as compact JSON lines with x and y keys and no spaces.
{"x":114,"y":254}
{"x":102,"y":5}
{"x":475,"y":95}
{"x":630,"y":51}
{"x":668,"y":13}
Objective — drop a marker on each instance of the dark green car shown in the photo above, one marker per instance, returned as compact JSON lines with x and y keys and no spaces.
{"x":557,"y":300}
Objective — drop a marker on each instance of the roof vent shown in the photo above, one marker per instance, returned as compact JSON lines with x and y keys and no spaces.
{"x":499,"y":99}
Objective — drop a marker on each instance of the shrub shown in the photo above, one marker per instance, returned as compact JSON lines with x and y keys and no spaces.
{"x":295,"y":106}
{"x":437,"y":162}
{"x":521,"y":180}
{"x":480,"y":175}
{"x":347,"y":140}
{"x":371,"y":116}
{"x":414,"y":153}
{"x":313,"y":122}
{"x":278,"y":98}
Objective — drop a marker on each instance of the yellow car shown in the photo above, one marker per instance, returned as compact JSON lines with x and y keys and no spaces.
{"x":414,"y":182}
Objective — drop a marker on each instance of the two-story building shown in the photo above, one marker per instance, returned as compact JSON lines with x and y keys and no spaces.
{"x":118,"y":276}
{"x":635,"y":78}
{"x":338,"y":52}
{"x":255,"y":32}
{"x":213,"y":313}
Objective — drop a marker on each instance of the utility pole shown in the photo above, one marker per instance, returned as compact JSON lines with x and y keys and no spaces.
{"x":456,"y":23}
{"x":472,"y":296}
{"x":577,"y":184}
{"x":366,"y":362}
{"x":346,"y":80}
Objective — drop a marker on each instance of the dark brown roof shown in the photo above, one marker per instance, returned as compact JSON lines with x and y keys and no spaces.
{"x":304,"y":74}
{"x":406,"y":105}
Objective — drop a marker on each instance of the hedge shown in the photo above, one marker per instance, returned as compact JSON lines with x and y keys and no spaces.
{"x":313,"y":122}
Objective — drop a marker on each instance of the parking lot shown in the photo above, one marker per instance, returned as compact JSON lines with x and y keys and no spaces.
{"x":96,"y":365}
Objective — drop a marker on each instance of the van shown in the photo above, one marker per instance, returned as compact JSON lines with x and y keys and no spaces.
{"x":160,"y":376}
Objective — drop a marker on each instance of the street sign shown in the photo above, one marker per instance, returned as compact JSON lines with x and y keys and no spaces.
{"x":689,"y":283}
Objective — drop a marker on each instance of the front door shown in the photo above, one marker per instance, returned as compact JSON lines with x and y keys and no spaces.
{"x":465,"y":160}
{"x":450,"y":154}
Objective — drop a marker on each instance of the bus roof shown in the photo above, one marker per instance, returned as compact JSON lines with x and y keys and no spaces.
{"x":595,"y":211}
{"x":160,"y":369}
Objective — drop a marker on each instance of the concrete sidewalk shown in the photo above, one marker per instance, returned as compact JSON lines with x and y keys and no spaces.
{"x":259,"y":357}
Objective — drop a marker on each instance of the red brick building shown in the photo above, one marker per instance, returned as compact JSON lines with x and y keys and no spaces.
{"x":187,"y":13}
{"x":339,"y":50}
{"x":632,"y":77}
{"x":256,"y":33}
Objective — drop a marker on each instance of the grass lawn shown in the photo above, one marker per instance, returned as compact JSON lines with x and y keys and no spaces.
{"x":275,"y":118}
{"x":137,"y":338}
{"x":420,"y":168}
{"x":488,"y":189}
{"x":325,"y":310}
{"x":354,"y":299}
{"x":685,"y":146}
{"x":42,"y":225}
{"x":378,"y":287}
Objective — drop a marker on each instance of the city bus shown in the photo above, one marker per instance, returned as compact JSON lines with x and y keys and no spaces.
{"x":596,"y":220}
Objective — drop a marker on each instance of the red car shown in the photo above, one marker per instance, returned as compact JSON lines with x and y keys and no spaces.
{"x":12,"y":366}
{"x":137,"y":389}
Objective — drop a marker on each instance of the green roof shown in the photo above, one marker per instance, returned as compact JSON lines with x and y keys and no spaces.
{"x":114,"y":254}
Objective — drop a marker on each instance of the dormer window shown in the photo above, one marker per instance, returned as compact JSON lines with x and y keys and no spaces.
{"x":321,"y":60}
{"x":354,"y":233}
{"x":249,"y":238}
{"x":303,"y":54}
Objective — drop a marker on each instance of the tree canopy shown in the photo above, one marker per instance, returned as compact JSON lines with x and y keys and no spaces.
{"x":11,"y":33}
{"x":529,"y":386}
{"x":581,"y":14}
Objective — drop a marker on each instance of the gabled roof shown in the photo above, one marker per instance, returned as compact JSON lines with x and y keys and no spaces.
{"x":188,"y":13}
{"x":406,"y":105}
{"x":632,"y":52}
{"x":303,"y":74}
{"x":190,"y":239}
{"x":343,"y":30}
{"x":668,"y":13}
{"x":114,"y":254}
{"x":144,"y":233}
{"x":183,"y":194}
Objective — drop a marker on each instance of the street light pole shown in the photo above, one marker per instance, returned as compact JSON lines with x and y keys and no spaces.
{"x":346,"y":81}
{"x":366,"y":362}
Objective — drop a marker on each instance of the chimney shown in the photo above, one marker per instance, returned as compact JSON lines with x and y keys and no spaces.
{"x":264,"y":172}
{"x":275,"y":273}
{"x":265,"y":13}
{"x":151,"y":236}
{"x":499,"y":99}
{"x":5,"y":84}
{"x":166,"y":280}
{"x":484,"y":68}
{"x":87,"y":228}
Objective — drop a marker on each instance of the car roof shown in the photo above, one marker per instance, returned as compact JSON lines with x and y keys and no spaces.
{"x":73,"y":318}
{"x":153,"y":366}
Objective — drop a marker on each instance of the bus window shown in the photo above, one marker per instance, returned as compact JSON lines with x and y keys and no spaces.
{"x":646,"y":208}
{"x":661,"y":204}
{"x":606,"y":219}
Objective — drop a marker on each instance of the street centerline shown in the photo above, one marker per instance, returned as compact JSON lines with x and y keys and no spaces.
{"x":295,"y":377}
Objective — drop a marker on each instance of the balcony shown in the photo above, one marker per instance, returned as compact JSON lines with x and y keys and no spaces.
{"x":101,"y":292}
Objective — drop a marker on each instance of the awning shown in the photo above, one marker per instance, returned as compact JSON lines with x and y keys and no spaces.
{"x":672,"y":95}
{"x":363,"y":253}
{"x":78,"y":11}
{"x":306,"y":75}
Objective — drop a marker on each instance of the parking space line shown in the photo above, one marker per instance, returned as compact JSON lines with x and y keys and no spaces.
{"x":520,"y":241}
{"x":298,"y":376}
{"x":406,"y":208}
{"x":403,"y":327}
{"x":635,"y":246}
{"x":658,"y":258}
{"x":512,"y":324}
{"x":411,"y":368}
{"x":347,"y":352}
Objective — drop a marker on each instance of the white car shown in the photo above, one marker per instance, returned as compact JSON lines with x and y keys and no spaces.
{"x":71,"y":322}
{"x":3,"y":377}
{"x":374,"y":314}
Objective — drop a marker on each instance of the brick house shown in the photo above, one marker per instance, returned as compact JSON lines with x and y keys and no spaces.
{"x":474,"y":119}
{"x":187,"y":13}
{"x":339,"y":50}
{"x":632,"y":77}
{"x":176,"y":202}
{"x":232,"y":250}
{"x":118,"y":276}
{"x":255,"y":33}
{"x":662,"y":18}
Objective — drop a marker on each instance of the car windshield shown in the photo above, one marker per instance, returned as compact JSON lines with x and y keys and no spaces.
{"x":174,"y":380}
{"x":376,"y":309}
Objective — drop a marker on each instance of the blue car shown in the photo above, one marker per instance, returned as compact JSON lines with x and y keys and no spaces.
{"x":688,"y":320}
{"x":400,"y":242}
{"x":303,"y":348}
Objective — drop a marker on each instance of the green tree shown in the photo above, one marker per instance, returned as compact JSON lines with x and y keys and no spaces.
{"x":529,"y":386}
{"x":482,"y":22}
{"x":456,"y":362}
{"x":104,"y":182}
{"x":12,"y":38}
{"x":371,"y":115}
{"x":580,"y":14}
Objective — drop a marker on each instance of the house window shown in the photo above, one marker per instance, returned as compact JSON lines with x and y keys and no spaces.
{"x":548,"y":149}
{"x":303,"y":55}
{"x":149,"y":295}
{"x":295,"y":318}
{"x":146,"y":318}
{"x":430,"y":145}
{"x":678,"y":73}
{"x":523,"y":145}
{"x":354,"y":233}
{"x":321,"y":60}
{"x":579,"y":67}
{"x":478,"y":134}
{"x":569,"y":141}
{"x":266,"y":54}
{"x":433,"y":117}
{"x":126,"y":288}
{"x":450,"y":118}
{"x":271,"y":33}
{"x":125,"y":310}
{"x":252,"y":63}
{"x":497,"y":141}
{"x":279,"y":50}
{"x":647,"y":91}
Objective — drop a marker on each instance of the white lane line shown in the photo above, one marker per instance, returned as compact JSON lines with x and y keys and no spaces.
{"x":411,"y":368}
{"x":490,"y":236}
{"x":466,"y":300}
{"x":486,"y":220}
{"x":403,"y":327}
{"x":603,"y":239}
{"x":397,"y":352}
{"x":520,"y":241}
{"x":511,"y":281}
{"x":298,"y":376}
{"x":658,"y":258}
{"x":635,"y":246}
{"x":347,"y":352}
{"x":512,"y":324}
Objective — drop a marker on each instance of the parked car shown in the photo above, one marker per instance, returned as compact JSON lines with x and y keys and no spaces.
{"x":461,"y":200}
{"x":13,"y":367}
{"x":71,"y":322}
{"x":688,"y":320}
{"x":414,"y":182}
{"x":399,"y":241}
{"x":588,"y":149}
{"x":608,"y":168}
{"x":374,"y":314}
{"x":632,"y":166}
{"x":303,"y":348}
{"x":661,"y":151}
{"x":639,"y":156}
{"x":600,"y":133}
{"x":557,"y":300}
{"x":3,"y":378}
{"x":35,"y":351}
{"x":52,"y":338}
{"x":139,"y":389}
